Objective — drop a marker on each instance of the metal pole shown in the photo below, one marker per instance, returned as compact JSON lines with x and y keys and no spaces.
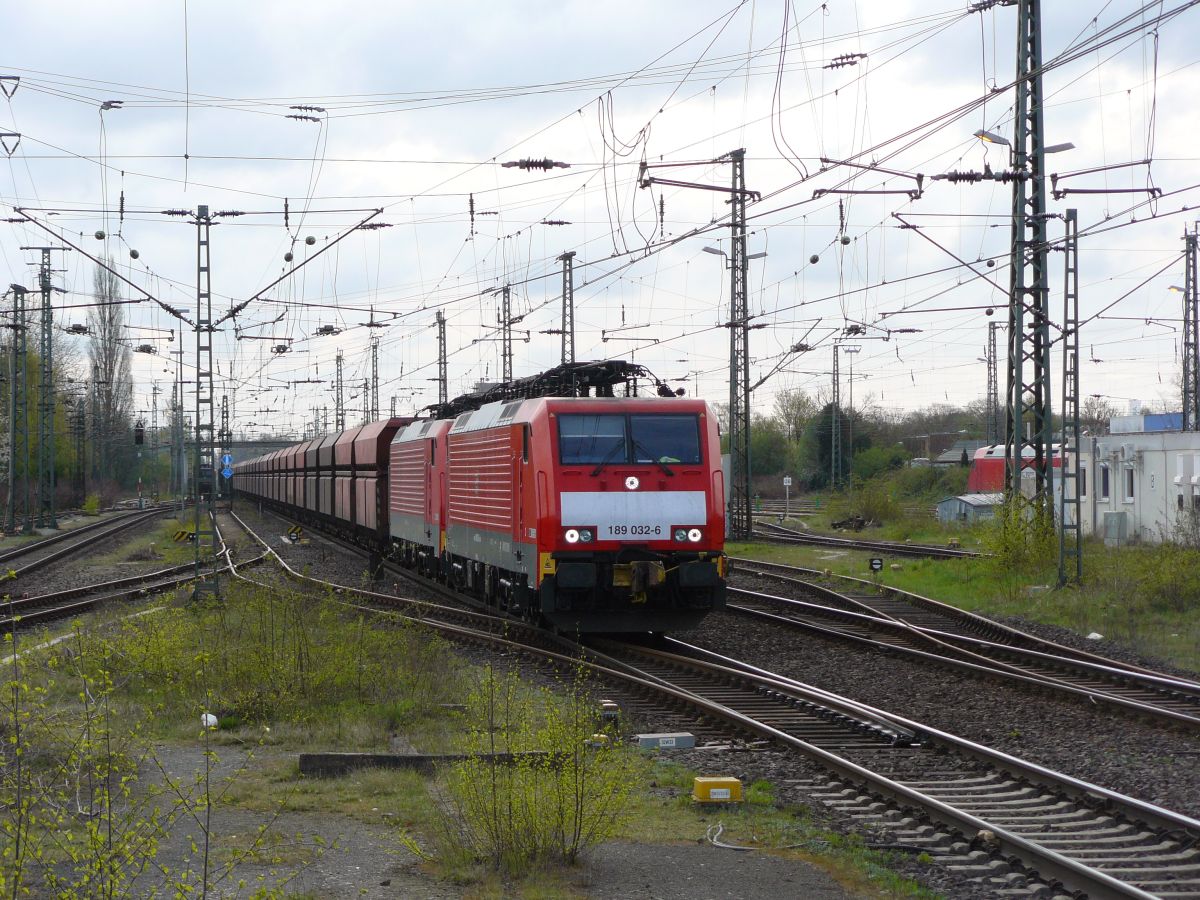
{"x":81,"y":448}
{"x":443,"y":384}
{"x":850,"y":417}
{"x":18,"y":425}
{"x":993,"y":389}
{"x":506,"y":350}
{"x":1191,"y":337}
{"x":568,"y":313}
{"x":339,"y":397}
{"x":207,"y":585}
{"x":225,"y":441}
{"x":835,"y":425}
{"x":46,"y":516}
{"x":741,"y":521}
{"x":154,"y":392}
{"x":373,"y":414}
{"x":1070,"y":534}
{"x":1028,"y":389}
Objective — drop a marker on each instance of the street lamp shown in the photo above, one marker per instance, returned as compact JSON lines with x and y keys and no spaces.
{"x":991,"y":137}
{"x":717,"y":251}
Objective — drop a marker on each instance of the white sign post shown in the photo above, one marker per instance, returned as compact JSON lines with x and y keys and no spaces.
{"x":787,"y":496}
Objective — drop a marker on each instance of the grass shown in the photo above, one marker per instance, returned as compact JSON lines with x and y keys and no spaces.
{"x":285,"y":674}
{"x":1144,"y":597}
{"x":661,"y":812}
{"x":158,"y":545}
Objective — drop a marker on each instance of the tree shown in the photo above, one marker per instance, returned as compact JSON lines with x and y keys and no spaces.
{"x":794,"y":411}
{"x":112,"y":382}
{"x":872,"y":461}
{"x":1095,"y":414}
{"x":768,"y":446}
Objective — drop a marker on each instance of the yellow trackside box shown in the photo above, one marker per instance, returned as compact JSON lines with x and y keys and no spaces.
{"x":717,"y":790}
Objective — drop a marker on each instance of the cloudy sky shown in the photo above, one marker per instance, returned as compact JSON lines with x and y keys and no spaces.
{"x":417,"y":107}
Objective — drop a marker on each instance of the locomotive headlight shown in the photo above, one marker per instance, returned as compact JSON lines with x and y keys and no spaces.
{"x":572,"y":536}
{"x":694,"y":535}
{"x":585,"y":535}
{"x":681,"y":534}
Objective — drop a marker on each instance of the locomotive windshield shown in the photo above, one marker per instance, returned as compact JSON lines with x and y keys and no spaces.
{"x":585,"y":440}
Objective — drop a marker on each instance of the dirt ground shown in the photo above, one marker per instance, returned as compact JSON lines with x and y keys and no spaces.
{"x":361,"y":860}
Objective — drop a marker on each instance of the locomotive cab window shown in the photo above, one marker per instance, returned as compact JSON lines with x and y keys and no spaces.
{"x":665,"y":439}
{"x":591,"y":440}
{"x":641,"y":438}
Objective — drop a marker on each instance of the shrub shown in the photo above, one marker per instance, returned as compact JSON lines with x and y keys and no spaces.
{"x":91,"y":505}
{"x":1021,"y":538}
{"x":271,"y":655}
{"x":873,"y":503}
{"x":556,"y":797}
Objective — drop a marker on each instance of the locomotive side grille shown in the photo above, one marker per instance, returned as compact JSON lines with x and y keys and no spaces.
{"x":407,"y":482}
{"x":481,"y":489}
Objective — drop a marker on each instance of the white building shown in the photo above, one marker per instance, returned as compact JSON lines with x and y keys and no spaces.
{"x":1137,"y":481}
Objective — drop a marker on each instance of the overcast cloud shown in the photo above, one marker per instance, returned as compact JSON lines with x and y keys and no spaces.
{"x":422,"y":102}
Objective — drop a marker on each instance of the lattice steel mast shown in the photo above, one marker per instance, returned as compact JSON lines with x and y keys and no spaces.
{"x":568,"y":308}
{"x":835,"y":423}
{"x":1070,"y":534}
{"x":506,"y":351}
{"x":373,"y":412}
{"x":740,"y":519}
{"x":1191,"y":335}
{"x":443,"y":384}
{"x":46,"y":516}
{"x":1028,"y":422}
{"x":339,"y":397}
{"x":740,"y":515}
{"x":18,"y":410}
{"x":207,"y":585}
{"x":224,"y":440}
{"x":993,"y":388}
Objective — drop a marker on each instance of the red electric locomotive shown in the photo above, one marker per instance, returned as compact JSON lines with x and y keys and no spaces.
{"x":416,"y":495}
{"x":593,"y":514}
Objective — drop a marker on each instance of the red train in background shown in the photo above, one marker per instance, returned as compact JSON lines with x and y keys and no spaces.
{"x":987,"y":468}
{"x":592,"y":514}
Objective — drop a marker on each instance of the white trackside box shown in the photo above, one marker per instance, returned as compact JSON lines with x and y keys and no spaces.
{"x":677,"y":741}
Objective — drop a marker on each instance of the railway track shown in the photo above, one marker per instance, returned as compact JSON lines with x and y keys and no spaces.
{"x":26,"y":612}
{"x":1010,"y":825}
{"x":810,"y":507}
{"x":1016,"y":822}
{"x":897,"y":621}
{"x":34,"y":555}
{"x":779,"y":534}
